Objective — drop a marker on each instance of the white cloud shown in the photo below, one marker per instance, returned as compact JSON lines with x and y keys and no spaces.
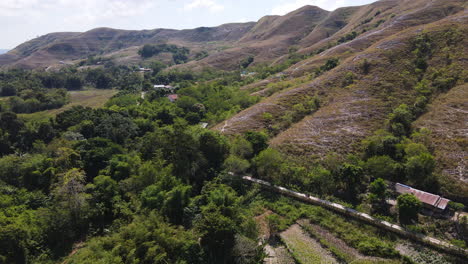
{"x":15,"y":7}
{"x":16,"y":4}
{"x":211,"y":5}
{"x":90,"y":10}
{"x":288,"y":6}
{"x":243,"y":20}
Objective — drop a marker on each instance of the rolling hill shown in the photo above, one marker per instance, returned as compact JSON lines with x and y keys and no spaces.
{"x":376,"y":73}
{"x":374,"y":49}
{"x":309,"y":29}
{"x":286,"y":149}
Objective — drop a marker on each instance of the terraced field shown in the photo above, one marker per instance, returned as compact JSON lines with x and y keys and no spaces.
{"x":304,"y":248}
{"x":277,"y":253}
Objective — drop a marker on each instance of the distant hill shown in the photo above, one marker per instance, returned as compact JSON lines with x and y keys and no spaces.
{"x":2,"y":51}
{"x":308,"y":29}
{"x":266,"y":40}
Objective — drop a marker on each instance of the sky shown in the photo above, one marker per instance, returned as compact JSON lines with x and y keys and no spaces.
{"x":23,"y":20}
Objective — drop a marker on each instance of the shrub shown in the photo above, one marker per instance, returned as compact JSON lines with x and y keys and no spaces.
{"x":330,"y":64}
{"x":458,"y":243}
{"x":365,"y":66}
{"x":236,"y":165}
{"x":382,"y":167}
{"x":348,"y":79}
{"x":246,"y":62}
{"x":348,"y":37}
{"x":456,"y":206}
{"x":268,"y":165}
{"x":400,"y":120}
{"x":408,"y":207}
{"x":419,"y":168}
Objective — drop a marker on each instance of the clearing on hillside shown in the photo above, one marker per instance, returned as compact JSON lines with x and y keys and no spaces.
{"x":89,"y":98}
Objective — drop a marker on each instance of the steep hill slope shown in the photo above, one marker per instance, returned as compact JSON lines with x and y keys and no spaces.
{"x":447,"y":119}
{"x":314,"y":108}
{"x":308,"y":29}
{"x":52,"y":48}
{"x":377,"y":72}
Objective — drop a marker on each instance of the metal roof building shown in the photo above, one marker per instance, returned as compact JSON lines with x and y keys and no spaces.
{"x":428,"y":199}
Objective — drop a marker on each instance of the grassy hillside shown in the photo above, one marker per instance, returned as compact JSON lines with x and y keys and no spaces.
{"x":308,"y":30}
{"x":88,"y":98}
{"x":446,"y":118}
{"x":337,"y":105}
{"x":313,"y":111}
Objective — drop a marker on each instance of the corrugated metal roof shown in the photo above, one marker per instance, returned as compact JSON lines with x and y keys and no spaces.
{"x":425,"y":197}
{"x":173,"y":97}
{"x":442,"y":204}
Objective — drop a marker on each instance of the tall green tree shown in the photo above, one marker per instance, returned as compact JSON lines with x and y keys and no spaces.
{"x":378,"y":194}
{"x":352,"y":180}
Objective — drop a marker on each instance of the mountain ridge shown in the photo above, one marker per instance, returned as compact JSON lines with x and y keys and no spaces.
{"x":267,"y":40}
{"x":353,"y":104}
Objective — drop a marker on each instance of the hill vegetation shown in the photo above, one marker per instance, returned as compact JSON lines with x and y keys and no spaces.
{"x":99,"y":165}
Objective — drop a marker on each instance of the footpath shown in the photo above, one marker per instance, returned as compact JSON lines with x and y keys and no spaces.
{"x":439,"y":244}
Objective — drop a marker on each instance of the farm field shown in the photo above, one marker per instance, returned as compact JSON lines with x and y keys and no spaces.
{"x":304,"y":248}
{"x":89,"y":98}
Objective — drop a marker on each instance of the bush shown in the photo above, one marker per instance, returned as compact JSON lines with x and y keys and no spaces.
{"x":365,"y":66}
{"x":383,"y":167}
{"x":330,"y":64}
{"x":382,"y":144}
{"x":408,"y":207}
{"x":268,"y":165}
{"x":458,"y":207}
{"x":236,"y":165}
{"x":348,"y":79}
{"x":458,"y":243}
{"x":246,"y":62}
{"x":400,"y":120}
{"x":419,"y":168}
{"x":348,"y":37}
{"x":375,"y":247}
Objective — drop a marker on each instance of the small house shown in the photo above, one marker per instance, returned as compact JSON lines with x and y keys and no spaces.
{"x":172,"y":97}
{"x":430,"y":201}
{"x":245,"y":74}
{"x":280,"y":75}
{"x":164,"y":88}
{"x":141,"y":69}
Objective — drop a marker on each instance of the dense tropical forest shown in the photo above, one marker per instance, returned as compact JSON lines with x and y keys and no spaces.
{"x":311,"y":137}
{"x":141,"y":181}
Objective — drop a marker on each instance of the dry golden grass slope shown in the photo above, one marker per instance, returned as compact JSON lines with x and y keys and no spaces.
{"x":268,"y":40}
{"x":397,"y":15}
{"x":351,"y":112}
{"x":447,"y":119}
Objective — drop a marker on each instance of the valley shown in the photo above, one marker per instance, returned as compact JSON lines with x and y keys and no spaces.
{"x":133,"y":146}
